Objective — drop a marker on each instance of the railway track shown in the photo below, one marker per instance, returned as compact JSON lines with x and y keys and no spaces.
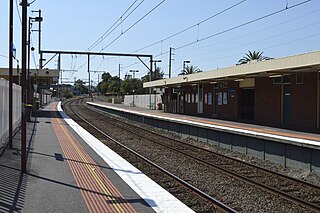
{"x":216,"y":203}
{"x":291,"y":189}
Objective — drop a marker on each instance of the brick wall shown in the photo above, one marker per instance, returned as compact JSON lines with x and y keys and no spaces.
{"x":229,"y":110}
{"x":267,"y":101}
{"x":304,"y":101}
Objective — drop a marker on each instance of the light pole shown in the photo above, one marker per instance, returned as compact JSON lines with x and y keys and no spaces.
{"x":184,"y":65}
{"x":155,"y":98}
{"x":133,"y":97}
{"x":39,"y":19}
{"x":10,"y":72}
{"x":155,"y":67}
{"x":134,"y":72}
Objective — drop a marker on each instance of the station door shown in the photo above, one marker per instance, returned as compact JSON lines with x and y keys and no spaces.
{"x":247,"y":104}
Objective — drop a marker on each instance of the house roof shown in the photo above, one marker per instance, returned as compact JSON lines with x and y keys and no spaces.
{"x":307,"y":62}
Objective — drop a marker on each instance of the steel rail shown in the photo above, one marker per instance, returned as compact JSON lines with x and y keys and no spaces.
{"x":216,"y":202}
{"x":215,"y":153}
{"x":233,"y":174}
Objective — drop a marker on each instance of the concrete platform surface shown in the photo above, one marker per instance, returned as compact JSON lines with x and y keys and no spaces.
{"x":65,"y":174}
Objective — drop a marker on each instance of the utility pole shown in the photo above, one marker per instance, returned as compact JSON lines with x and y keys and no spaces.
{"x":170,"y":61}
{"x":59,"y":69}
{"x":39,"y":19}
{"x":155,"y":68}
{"x":89,"y":75}
{"x":24,"y":72}
{"x":10,"y":72}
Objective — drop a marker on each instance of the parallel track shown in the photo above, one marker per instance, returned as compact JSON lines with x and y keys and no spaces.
{"x":188,"y":186}
{"x":294,"y":190}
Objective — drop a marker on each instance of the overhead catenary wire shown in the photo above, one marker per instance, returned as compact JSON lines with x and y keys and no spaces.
{"x":239,"y":37}
{"x":242,"y":25}
{"x":129,"y":28}
{"x":188,"y":28}
{"x":232,"y":28}
{"x":263,"y":48}
{"x":18,"y":11}
{"x":134,"y":24}
{"x":111,"y":29}
{"x":224,"y":49}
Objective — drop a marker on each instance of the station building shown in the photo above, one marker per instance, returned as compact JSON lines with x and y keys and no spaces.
{"x":281,"y":92}
{"x":40,"y":81}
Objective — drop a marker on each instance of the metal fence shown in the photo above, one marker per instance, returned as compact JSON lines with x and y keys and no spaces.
{"x":4,"y":109}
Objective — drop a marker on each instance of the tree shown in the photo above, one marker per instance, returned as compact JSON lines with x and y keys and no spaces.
{"x":109,"y":84}
{"x":255,"y":55}
{"x":80,"y":87}
{"x":190,"y":70}
{"x":156,"y":75}
{"x":127,"y":86}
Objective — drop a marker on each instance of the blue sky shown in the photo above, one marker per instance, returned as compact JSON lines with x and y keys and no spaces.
{"x":76,"y":25}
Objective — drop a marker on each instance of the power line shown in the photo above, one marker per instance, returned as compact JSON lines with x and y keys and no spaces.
{"x":255,"y":32}
{"x":104,"y":35}
{"x":134,"y":24}
{"x":195,"y":25}
{"x":17,"y":7}
{"x":257,"y":41}
{"x":143,"y":17}
{"x":232,"y":28}
{"x":4,"y":56}
{"x":242,"y":25}
{"x":264,"y":48}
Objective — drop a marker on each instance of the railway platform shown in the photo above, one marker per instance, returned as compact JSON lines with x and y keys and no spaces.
{"x":287,"y":147}
{"x":68,"y":170}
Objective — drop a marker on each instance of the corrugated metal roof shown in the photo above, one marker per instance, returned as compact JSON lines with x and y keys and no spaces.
{"x":287,"y":64}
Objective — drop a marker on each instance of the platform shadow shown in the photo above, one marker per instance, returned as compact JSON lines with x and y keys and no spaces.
{"x":13,"y":186}
{"x":46,"y":114}
{"x":60,"y":157}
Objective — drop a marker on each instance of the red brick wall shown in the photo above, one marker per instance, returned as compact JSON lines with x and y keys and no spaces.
{"x":267,"y":101}
{"x":304,"y":101}
{"x":230,"y":110}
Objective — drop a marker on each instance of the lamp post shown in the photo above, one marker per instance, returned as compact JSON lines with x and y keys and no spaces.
{"x":184,"y":65}
{"x":155,"y":98}
{"x":133,"y":97}
{"x":134,"y":72}
{"x":39,"y":19}
{"x":155,"y":67}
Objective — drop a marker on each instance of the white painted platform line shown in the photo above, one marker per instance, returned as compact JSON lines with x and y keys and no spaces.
{"x":249,"y":132}
{"x":157,"y":197}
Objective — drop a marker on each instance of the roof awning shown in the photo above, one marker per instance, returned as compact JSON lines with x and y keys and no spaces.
{"x":308,"y":62}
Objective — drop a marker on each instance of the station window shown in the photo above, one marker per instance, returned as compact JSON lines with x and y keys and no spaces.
{"x":277,"y":80}
{"x":286,"y":79}
{"x":299,"y":78}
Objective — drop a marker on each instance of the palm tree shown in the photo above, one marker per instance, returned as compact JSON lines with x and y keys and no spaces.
{"x":190,"y":70}
{"x":255,"y":55}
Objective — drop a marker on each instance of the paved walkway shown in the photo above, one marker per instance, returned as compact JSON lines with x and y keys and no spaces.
{"x":64,"y":174}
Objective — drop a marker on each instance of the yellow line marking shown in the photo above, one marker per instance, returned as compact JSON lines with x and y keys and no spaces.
{"x":91,"y":169}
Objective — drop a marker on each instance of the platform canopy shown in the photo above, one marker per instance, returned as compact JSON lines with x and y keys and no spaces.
{"x":46,"y":76}
{"x":307,"y":62}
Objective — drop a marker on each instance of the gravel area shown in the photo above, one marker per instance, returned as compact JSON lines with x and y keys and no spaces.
{"x":235,"y":193}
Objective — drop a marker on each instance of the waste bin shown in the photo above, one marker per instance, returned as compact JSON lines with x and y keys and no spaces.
{"x":37,"y":105}
{"x":28,"y":112}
